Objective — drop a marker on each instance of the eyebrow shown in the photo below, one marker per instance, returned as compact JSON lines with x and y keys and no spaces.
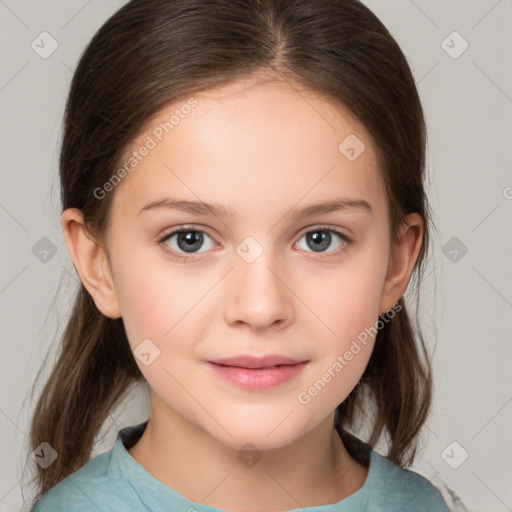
{"x":202,"y":208}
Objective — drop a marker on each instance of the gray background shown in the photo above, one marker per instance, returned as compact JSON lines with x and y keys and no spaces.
{"x":467,"y":296}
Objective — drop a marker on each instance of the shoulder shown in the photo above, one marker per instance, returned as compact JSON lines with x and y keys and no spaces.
{"x":402,"y":489}
{"x":96,"y":486}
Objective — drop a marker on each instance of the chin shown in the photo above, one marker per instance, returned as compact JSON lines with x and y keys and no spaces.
{"x":264,"y":435}
{"x":258,"y":441}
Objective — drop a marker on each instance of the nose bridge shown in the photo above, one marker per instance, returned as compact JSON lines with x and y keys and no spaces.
{"x":258,"y":296}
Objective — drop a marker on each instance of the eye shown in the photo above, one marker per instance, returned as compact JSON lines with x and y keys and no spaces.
{"x":321,"y":237}
{"x":183,"y":241}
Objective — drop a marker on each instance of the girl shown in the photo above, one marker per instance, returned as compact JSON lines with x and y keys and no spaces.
{"x":243,"y":201}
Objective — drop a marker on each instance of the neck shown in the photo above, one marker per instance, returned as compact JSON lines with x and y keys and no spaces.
{"x":311,"y":471}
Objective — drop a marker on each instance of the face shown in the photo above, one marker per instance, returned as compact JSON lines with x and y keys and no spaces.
{"x":261,"y":275}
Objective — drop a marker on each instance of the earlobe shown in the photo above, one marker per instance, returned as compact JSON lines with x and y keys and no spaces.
{"x":91,"y":262}
{"x":402,"y":261}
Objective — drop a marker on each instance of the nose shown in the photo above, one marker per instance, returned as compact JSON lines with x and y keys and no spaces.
{"x":259,"y":295}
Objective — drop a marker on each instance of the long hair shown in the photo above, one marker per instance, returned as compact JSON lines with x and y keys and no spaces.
{"x":151,"y":53}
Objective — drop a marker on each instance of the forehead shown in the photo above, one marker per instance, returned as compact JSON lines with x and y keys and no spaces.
{"x":247,"y":140}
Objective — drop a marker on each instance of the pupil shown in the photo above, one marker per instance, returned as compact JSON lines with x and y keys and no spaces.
{"x":320,"y":242}
{"x":192,"y":240}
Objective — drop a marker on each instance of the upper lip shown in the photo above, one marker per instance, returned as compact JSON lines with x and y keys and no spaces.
{"x":244,"y":361}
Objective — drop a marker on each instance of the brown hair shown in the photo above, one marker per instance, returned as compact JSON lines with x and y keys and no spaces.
{"x":153,"y":52}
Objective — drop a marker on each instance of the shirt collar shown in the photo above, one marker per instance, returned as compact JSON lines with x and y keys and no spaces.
{"x":158,"y":497}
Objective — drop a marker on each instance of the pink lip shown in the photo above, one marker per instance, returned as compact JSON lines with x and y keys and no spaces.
{"x":256,"y":362}
{"x":257,"y":373}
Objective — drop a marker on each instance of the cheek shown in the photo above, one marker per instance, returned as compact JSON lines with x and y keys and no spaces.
{"x":345,"y":301}
{"x":148,"y":311}
{"x":346,"y":305}
{"x":157,"y":305}
{"x":173,"y":308}
{"x":154,"y":293}
{"x":161,"y":313}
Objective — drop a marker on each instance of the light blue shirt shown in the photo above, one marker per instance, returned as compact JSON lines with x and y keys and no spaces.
{"x":115,"y":482}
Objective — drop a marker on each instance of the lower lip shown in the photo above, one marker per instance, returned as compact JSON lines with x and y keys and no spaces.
{"x":259,"y":378}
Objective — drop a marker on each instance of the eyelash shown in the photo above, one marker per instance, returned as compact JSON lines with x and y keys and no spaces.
{"x":184,"y":229}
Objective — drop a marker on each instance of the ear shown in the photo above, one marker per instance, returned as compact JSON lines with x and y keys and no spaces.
{"x":402,"y":260}
{"x":91,"y":262}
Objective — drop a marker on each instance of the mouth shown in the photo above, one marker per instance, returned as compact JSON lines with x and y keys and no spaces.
{"x":252,"y":362}
{"x":257,"y":373}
